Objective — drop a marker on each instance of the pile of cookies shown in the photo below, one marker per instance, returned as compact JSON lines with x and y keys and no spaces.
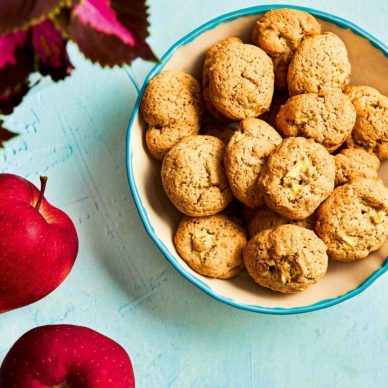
{"x":273,"y":161}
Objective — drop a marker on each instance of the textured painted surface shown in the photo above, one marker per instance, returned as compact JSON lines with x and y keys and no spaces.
{"x":177,"y":336}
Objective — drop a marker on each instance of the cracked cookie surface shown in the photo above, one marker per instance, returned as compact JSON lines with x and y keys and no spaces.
{"x":288,"y":258}
{"x":241,"y":81}
{"x":171,"y":107}
{"x":320,"y":62}
{"x":327,"y":117}
{"x":193,"y":176}
{"x":356,"y":91}
{"x":353,"y":221}
{"x":211,"y":246}
{"x":352,"y":163}
{"x":297,"y":177}
{"x":245,"y":156}
{"x":279,"y":32}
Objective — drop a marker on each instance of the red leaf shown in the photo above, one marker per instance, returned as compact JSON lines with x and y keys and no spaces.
{"x":8,"y":45}
{"x":101,"y":17}
{"x":50,"y":50}
{"x":5,"y":134}
{"x":17,"y":14}
{"x":133,"y":16}
{"x":108,"y":49}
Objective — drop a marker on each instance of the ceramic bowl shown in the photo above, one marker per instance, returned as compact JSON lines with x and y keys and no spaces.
{"x":369,"y":62}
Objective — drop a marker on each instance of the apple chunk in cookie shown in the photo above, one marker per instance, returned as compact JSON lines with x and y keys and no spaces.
{"x":211,"y":246}
{"x":353,"y":221}
{"x":288,"y":258}
{"x":297,"y":178}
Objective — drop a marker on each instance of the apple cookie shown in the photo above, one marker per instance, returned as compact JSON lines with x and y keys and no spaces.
{"x":241,"y":81}
{"x":353,"y":221}
{"x":371,"y":128}
{"x":171,"y":107}
{"x":211,"y":246}
{"x":288,"y":258}
{"x":320,"y":62}
{"x":209,"y":61}
{"x":327,"y":117}
{"x":297,"y":178}
{"x":265,"y":218}
{"x":279,"y":32}
{"x":245,"y":156}
{"x":352,"y":163}
{"x":193,"y":176}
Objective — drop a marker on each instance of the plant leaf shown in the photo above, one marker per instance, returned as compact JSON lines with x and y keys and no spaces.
{"x":106,"y":49}
{"x":50,"y":50}
{"x":133,"y":16}
{"x":8,"y":45}
{"x":18,"y":14}
{"x":14,"y":75}
{"x":5,"y":134}
{"x":101,"y":17}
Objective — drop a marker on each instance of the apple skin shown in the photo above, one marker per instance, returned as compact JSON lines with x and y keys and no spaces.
{"x":37,"y":247}
{"x":66,"y":356}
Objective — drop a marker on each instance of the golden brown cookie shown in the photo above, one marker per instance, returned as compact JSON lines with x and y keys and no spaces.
{"x":223,"y":132}
{"x":241,"y":81}
{"x":354,"y":92}
{"x":371,"y":128}
{"x":193,"y":176}
{"x":245,"y":156}
{"x":211,"y":246}
{"x":297,"y":177}
{"x":171,"y":107}
{"x":209,"y":61}
{"x":265,"y":218}
{"x":288,"y":258}
{"x":279,"y":32}
{"x":320,"y":62}
{"x":353,"y":221}
{"x":352,"y":163}
{"x":327,"y":117}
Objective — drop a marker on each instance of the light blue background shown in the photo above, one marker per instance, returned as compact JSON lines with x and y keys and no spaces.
{"x":74,"y":132}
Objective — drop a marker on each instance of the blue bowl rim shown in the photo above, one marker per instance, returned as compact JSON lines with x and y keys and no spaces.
{"x":340,"y":22}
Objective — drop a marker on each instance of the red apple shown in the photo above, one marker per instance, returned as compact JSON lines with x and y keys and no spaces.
{"x":38,"y":243}
{"x":66,"y":356}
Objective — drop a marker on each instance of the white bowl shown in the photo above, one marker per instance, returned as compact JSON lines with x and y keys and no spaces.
{"x":369,"y":62}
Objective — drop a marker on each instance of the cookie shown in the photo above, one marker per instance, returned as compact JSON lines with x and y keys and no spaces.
{"x":297,"y":177}
{"x":371,"y":128}
{"x":354,"y":92}
{"x":353,"y":163}
{"x":211,"y":246}
{"x":327,"y":117}
{"x":279,"y":99}
{"x":265,"y":218}
{"x":193,"y":176}
{"x":209,"y":60}
{"x":171,"y":107}
{"x":245,"y":156}
{"x":320,"y":62}
{"x":224,"y":133}
{"x":279,"y":32}
{"x":353,"y":221}
{"x":241,"y":81}
{"x":287,"y":259}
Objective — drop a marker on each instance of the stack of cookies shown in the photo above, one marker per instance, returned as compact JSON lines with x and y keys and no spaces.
{"x":273,"y":161}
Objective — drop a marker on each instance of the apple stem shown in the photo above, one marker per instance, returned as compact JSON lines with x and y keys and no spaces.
{"x":43,"y":183}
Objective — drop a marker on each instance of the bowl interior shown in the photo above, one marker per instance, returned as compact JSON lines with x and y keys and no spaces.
{"x":369,"y":66}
